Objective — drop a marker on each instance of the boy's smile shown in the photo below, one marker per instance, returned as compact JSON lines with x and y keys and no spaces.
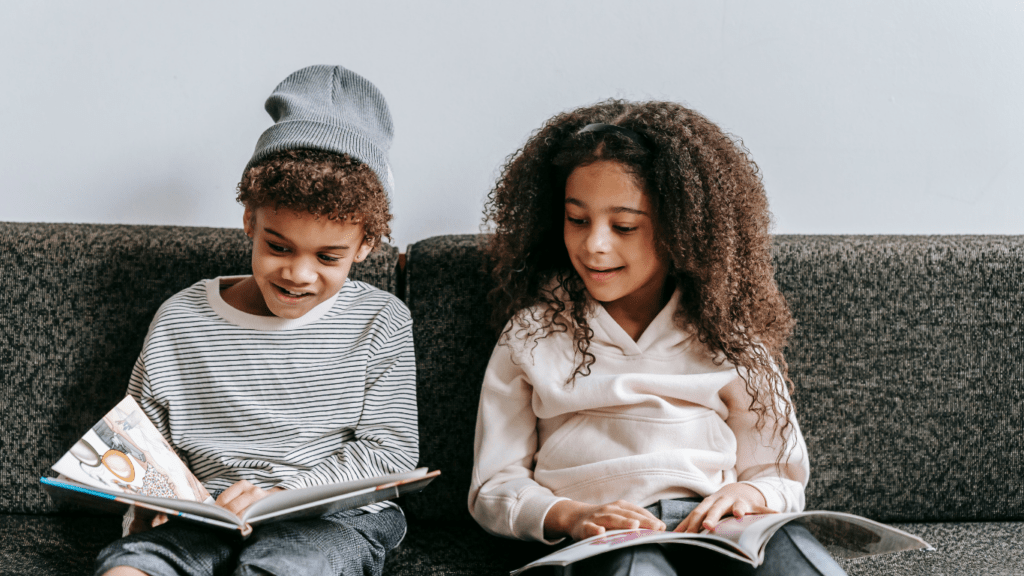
{"x":298,"y":261}
{"x":610,"y":237}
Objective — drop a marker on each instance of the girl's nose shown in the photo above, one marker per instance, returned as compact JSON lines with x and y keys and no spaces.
{"x":598,"y":240}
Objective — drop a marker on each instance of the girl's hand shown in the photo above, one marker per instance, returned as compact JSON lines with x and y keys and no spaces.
{"x":735,"y":499}
{"x":241,"y":495}
{"x":580,"y":521}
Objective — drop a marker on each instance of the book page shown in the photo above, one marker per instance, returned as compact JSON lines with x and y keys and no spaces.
{"x":844,"y":535}
{"x":125,"y":452}
{"x":615,"y":539}
{"x":851,"y":536}
{"x":300,"y":498}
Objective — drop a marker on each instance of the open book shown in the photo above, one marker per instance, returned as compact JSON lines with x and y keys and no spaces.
{"x":844,"y":535}
{"x":123,"y":460}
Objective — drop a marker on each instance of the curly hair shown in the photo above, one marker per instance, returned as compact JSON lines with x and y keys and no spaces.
{"x":711,"y":219}
{"x":335,"y":186}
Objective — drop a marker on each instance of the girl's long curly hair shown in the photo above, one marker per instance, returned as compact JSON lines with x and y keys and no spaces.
{"x":711,"y":219}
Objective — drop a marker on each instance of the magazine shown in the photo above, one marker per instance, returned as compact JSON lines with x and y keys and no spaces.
{"x":123,"y":461}
{"x":844,"y":535}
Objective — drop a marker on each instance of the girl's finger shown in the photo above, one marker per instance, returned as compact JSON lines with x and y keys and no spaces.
{"x":740,"y":508}
{"x":644,"y":519}
{"x":590,"y":529}
{"x":692,"y":521}
{"x":617,"y":521}
{"x":716,"y":512}
{"x":635,"y":508}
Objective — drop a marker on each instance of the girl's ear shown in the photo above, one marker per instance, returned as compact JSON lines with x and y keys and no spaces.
{"x":249,"y":221}
{"x":364,"y":251}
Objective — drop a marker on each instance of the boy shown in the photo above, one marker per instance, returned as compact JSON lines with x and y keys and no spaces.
{"x":293,"y":376}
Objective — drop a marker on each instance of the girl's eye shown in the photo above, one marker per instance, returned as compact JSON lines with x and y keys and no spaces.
{"x":328,"y":258}
{"x":575,"y":221}
{"x":625,"y":229}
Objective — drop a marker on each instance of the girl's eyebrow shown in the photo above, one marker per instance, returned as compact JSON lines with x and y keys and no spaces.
{"x":281,"y":236}
{"x":613,"y":210}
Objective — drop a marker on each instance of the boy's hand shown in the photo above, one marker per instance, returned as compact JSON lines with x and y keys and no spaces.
{"x":580,"y":521}
{"x":735,"y":499}
{"x":144,"y":520}
{"x":241,"y":495}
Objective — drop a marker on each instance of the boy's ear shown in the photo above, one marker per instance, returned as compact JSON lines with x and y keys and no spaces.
{"x":363,"y":252}
{"x":249,"y":221}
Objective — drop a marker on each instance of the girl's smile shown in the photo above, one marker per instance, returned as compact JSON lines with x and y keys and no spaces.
{"x":610,"y":237}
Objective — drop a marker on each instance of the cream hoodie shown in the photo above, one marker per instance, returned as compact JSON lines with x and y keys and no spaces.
{"x":648,"y":423}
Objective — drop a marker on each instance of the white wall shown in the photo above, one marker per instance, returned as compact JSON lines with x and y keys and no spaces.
{"x":865,"y":117}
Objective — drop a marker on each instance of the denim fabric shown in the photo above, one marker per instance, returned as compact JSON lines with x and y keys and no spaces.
{"x":792,"y":551}
{"x":341,"y":544}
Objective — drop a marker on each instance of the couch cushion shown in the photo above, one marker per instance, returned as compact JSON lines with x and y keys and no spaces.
{"x":75,"y":303}
{"x":907,"y":359}
{"x":54,"y":544}
{"x":977,"y":548}
{"x":446,"y":291}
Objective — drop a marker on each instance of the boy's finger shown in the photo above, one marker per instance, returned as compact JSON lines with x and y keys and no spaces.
{"x":239,"y":504}
{"x":233,"y":491}
{"x":159,"y":519}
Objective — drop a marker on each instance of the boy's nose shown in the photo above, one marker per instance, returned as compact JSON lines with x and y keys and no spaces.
{"x":299,"y":271}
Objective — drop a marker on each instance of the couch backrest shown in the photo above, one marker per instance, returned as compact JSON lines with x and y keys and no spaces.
{"x":908,"y":360}
{"x":75,"y":303}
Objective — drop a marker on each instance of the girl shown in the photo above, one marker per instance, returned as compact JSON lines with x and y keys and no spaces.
{"x":639,"y":380}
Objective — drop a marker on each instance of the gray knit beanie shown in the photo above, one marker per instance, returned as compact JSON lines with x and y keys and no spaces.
{"x":333,"y":109}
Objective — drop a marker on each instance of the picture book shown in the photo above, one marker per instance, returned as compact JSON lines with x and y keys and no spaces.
{"x":124,"y":460}
{"x":844,"y":535}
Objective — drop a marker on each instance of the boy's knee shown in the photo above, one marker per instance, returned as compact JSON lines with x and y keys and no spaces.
{"x":169,"y":550}
{"x":124,"y":571}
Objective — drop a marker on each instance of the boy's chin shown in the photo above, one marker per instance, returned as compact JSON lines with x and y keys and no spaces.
{"x":290,"y":312}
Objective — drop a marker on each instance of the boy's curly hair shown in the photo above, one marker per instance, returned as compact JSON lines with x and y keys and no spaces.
{"x":335,"y":186}
{"x":711,"y":218}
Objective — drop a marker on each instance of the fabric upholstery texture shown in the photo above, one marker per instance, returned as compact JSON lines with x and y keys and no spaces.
{"x":908,"y":361}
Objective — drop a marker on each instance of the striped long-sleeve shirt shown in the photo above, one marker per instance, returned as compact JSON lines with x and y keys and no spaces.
{"x":327,"y":397}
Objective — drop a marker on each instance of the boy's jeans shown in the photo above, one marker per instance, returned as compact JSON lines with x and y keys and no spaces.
{"x":349,"y":542}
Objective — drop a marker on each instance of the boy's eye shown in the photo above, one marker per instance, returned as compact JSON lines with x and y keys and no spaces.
{"x":276,"y":248}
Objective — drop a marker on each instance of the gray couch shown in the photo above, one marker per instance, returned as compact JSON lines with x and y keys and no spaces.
{"x":908,"y":360}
